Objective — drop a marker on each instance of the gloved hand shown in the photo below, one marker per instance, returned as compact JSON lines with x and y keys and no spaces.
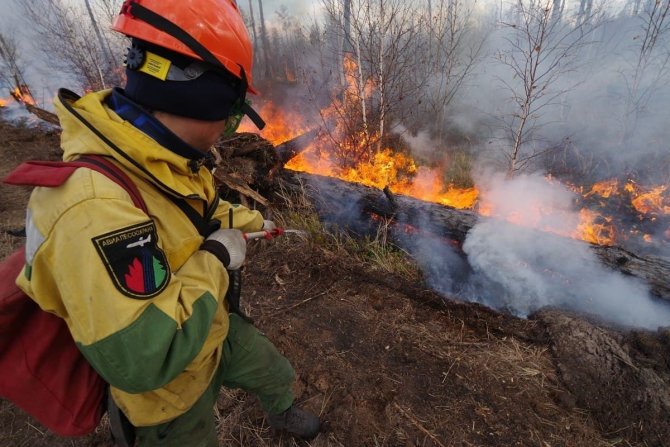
{"x":268,"y":225}
{"x":229,"y":246}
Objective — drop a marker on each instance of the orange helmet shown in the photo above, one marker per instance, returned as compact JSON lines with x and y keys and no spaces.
{"x":208,"y":30}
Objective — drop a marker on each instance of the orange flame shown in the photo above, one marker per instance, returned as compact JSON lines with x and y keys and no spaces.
{"x":359,"y":163}
{"x":653,"y":200}
{"x":595,"y":228}
{"x":355,"y":158}
{"x":22,"y":94}
{"x":604,"y":189}
{"x":280,"y":125}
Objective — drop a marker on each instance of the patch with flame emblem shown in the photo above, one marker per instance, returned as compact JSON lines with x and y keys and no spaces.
{"x":134,"y":261}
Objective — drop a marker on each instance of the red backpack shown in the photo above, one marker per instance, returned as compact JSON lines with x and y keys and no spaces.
{"x":41,"y":369}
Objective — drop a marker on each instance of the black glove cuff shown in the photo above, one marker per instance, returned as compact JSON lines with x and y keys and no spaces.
{"x":218,"y":250}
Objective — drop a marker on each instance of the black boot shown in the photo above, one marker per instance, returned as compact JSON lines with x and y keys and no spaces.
{"x":297,"y":422}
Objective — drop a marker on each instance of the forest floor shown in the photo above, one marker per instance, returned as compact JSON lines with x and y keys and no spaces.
{"x":386,"y":362}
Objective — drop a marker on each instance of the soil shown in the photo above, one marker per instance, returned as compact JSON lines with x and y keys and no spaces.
{"x":386,"y":362}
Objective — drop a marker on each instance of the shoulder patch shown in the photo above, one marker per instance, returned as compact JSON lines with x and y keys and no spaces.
{"x":137,"y":266}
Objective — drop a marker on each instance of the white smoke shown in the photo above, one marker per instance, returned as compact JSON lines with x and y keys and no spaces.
{"x":522,"y":270}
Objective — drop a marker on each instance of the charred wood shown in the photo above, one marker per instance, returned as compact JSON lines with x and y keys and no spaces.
{"x":289,"y":149}
{"x":44,"y":115}
{"x":244,"y":166}
{"x":354,"y":207}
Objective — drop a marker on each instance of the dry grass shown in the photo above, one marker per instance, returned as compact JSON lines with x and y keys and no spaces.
{"x":298,"y":213}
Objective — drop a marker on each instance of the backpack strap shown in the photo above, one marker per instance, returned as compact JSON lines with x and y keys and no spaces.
{"x":205,"y":225}
{"x":55,"y":173}
{"x":104,"y":166}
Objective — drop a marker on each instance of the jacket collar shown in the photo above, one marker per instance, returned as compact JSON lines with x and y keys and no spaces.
{"x":91,"y":127}
{"x":142,"y":119}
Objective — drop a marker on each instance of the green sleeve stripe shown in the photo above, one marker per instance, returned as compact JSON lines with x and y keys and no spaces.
{"x":152,"y":351}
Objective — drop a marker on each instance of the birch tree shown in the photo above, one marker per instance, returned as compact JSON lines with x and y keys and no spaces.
{"x":66,"y":37}
{"x":454,"y":51}
{"x":650,"y":66}
{"x":253,"y":30}
{"x":11,"y":73}
{"x":267,"y":50}
{"x":538,"y":53}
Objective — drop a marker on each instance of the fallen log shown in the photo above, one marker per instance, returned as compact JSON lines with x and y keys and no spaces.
{"x":289,"y":149}
{"x":345,"y":203}
{"x":44,"y":115}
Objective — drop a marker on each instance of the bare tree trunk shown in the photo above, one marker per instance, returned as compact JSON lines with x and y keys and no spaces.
{"x":269,"y":72}
{"x":656,"y":25}
{"x":589,"y":10}
{"x":582,"y":12}
{"x":346,"y":42}
{"x":253,"y":30}
{"x":430,"y":28}
{"x":556,"y":13}
{"x":538,"y":59}
{"x":518,"y":139}
{"x":382,"y":103}
{"x":104,"y":47}
{"x":11,"y":72}
{"x":361,"y":89}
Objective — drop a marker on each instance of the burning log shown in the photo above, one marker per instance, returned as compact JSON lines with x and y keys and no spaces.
{"x":43,"y":114}
{"x":331,"y":196}
{"x":289,"y":149}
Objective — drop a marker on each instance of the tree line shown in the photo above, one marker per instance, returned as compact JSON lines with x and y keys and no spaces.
{"x":394,"y":65}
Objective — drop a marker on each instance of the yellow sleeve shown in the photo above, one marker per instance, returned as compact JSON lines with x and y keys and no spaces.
{"x":244,"y":219}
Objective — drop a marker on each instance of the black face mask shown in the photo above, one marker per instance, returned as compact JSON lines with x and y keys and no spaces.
{"x":239,"y":84}
{"x":206,"y":98}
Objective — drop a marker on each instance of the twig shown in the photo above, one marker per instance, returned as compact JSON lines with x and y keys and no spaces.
{"x":286,"y":309}
{"x":418,"y":425}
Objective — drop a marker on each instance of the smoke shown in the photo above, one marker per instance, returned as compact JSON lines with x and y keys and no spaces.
{"x":612,"y":111}
{"x":521,"y":270}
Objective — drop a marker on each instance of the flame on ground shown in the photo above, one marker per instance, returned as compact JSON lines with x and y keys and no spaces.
{"x":22,"y":95}
{"x":650,"y":201}
{"x":402,"y":175}
{"x":19,"y":94}
{"x":353,"y":159}
{"x":387,"y":168}
{"x":280,"y":125}
{"x":604,"y":189}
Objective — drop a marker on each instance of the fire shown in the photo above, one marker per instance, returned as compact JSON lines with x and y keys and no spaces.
{"x":390,"y":169}
{"x":654,"y":200}
{"x":349,"y":150}
{"x":3,"y":102}
{"x":280,"y":125}
{"x":22,"y":94}
{"x":357,"y":159}
{"x":604,"y":189}
{"x":595,"y":228}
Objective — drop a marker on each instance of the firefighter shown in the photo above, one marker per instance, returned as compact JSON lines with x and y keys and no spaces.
{"x":143,"y":293}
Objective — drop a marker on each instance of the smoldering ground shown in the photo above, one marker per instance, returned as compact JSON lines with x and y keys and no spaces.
{"x":524,"y":266}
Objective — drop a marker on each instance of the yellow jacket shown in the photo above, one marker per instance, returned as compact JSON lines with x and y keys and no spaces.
{"x":144,"y":304}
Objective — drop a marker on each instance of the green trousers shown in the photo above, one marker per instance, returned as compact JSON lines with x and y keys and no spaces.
{"x":250,"y":362}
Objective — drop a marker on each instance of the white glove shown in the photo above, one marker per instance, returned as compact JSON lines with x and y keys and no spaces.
{"x":268,"y":225}
{"x":228,"y":246}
